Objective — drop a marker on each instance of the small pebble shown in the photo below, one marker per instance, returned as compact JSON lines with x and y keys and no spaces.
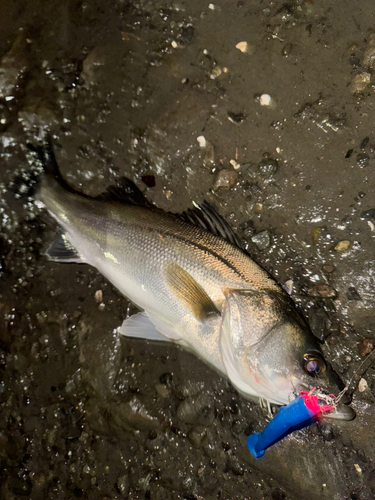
{"x":287,"y":49}
{"x":342,"y":246}
{"x":236,"y":118}
{"x":235,"y":164}
{"x":327,"y":268}
{"x":262,"y":240}
{"x":322,"y":290}
{"x":352,"y":294}
{"x":366,"y":346}
{"x":225,"y":179}
{"x":202,"y":141}
{"x":357,"y":468}
{"x":98,"y":296}
{"x":162,"y":390}
{"x":245,"y":48}
{"x":216,"y":72}
{"x":265,"y":100}
{"x":360,"y":82}
{"x":362,"y":385}
{"x":288,"y":287}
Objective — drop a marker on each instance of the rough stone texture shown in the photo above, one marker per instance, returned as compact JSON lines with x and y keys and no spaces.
{"x":126,"y":88}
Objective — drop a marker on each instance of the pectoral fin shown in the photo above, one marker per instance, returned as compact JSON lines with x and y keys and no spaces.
{"x":190,"y":293}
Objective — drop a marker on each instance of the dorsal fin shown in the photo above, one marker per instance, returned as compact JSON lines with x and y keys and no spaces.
{"x":125,"y":191}
{"x":206,"y":217}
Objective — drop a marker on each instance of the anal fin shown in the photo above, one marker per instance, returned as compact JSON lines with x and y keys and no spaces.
{"x":145,"y":326}
{"x":62,"y":250}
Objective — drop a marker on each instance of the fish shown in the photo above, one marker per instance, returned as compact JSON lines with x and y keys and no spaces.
{"x":194,"y":284}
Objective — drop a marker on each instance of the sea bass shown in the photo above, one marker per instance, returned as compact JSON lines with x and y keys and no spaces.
{"x":195,"y":285}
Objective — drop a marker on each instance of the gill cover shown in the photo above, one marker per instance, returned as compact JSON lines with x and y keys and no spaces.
{"x":262,"y":343}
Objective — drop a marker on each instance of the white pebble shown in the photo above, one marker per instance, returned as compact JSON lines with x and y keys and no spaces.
{"x":265,"y":100}
{"x":357,"y":468}
{"x":242,"y":46}
{"x":362,"y":385}
{"x":235,"y":164}
{"x":202,"y":141}
{"x":211,"y":6}
{"x":174,"y":44}
{"x":99,"y":296}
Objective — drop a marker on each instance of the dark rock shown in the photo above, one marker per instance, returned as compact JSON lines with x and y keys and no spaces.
{"x":149,"y":180}
{"x":278,"y":494}
{"x":236,"y":118}
{"x":368,"y":214}
{"x":123,"y":485}
{"x":366,"y":346}
{"x":13,"y":66}
{"x":134,"y":415}
{"x":364,"y":142}
{"x":352,"y":294}
{"x":262,"y":240}
{"x":37,"y":115}
{"x":210,"y":483}
{"x":166,"y":379}
{"x":322,"y":290}
{"x":349,"y":153}
{"x":187,"y":34}
{"x":196,"y":435}
{"x":20,"y":486}
{"x":319,"y":322}
{"x":362,"y":159}
{"x":197,"y":410}
{"x":236,"y":467}
{"x":99,"y":357}
{"x":247,"y":228}
{"x":268,"y":167}
{"x":287,"y":49}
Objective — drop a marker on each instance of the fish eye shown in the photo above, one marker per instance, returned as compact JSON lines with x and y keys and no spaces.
{"x":313,"y":364}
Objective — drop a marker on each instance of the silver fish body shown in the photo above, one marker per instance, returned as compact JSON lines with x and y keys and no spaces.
{"x":196,"y":289}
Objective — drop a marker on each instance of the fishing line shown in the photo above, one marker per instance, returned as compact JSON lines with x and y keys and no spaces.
{"x":355,"y":374}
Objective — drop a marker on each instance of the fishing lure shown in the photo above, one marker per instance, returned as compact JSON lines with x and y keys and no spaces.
{"x":307,"y":408}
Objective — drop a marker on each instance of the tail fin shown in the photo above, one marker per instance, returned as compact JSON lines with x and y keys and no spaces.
{"x":42,"y":166}
{"x":45,"y":156}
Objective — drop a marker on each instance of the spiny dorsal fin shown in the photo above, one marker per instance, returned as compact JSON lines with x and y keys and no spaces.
{"x":206,"y":217}
{"x":125,"y":191}
{"x":189,"y":292}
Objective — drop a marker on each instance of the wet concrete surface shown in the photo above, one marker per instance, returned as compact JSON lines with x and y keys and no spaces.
{"x":160,"y":89}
